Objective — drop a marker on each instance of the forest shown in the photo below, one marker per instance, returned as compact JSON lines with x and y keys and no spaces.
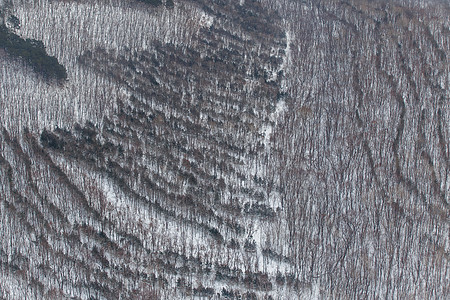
{"x":221,"y":149}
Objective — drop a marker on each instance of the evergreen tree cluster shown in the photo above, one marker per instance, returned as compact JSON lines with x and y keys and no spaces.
{"x":33,"y":52}
{"x":152,"y":2}
{"x":168,"y":3}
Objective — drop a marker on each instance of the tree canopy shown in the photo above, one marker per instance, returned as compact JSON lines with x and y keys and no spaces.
{"x":34,"y":53}
{"x":152,"y":2}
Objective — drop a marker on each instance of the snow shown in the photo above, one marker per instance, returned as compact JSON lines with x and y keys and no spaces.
{"x":206,"y":20}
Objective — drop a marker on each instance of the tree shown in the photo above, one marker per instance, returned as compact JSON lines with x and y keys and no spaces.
{"x":169,"y":4}
{"x":33,"y":52}
{"x":14,"y":21}
{"x":152,"y":2}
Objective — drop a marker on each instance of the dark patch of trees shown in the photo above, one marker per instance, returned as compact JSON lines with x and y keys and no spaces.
{"x":34,"y":53}
{"x":50,"y":140}
{"x":169,"y":4}
{"x":14,"y":21}
{"x":152,"y":2}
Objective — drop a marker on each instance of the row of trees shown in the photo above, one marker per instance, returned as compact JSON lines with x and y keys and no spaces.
{"x":168,"y":3}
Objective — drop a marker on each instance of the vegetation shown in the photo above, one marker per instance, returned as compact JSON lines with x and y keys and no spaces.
{"x":169,"y":4}
{"x":152,"y":2}
{"x":33,"y":52}
{"x":14,"y":21}
{"x":228,"y":150}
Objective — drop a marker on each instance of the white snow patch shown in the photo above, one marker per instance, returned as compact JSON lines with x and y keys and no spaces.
{"x":206,"y":20}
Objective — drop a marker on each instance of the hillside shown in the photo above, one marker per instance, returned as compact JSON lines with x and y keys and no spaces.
{"x":252,"y":149}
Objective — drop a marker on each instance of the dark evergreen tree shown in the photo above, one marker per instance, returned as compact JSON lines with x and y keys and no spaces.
{"x":34,"y":53}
